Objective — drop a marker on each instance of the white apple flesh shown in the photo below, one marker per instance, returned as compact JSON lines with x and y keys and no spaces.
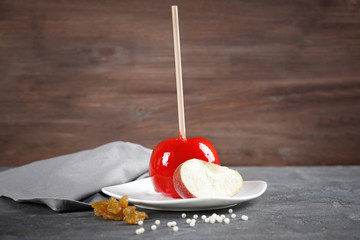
{"x":197,"y":179}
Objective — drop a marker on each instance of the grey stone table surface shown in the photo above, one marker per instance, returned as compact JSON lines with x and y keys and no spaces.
{"x":300,"y":203}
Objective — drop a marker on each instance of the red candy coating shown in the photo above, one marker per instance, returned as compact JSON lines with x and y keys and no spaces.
{"x":172,"y":152}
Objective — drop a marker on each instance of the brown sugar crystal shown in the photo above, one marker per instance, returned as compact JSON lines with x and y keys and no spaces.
{"x":118,"y":210}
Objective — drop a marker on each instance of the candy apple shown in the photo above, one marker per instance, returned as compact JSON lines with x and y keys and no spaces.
{"x":172,"y":152}
{"x":195,"y":178}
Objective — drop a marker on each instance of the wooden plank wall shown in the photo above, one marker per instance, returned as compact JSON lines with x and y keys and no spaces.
{"x":267,"y":82}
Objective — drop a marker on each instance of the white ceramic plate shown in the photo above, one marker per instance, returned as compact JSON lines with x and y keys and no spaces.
{"x":142,"y":194}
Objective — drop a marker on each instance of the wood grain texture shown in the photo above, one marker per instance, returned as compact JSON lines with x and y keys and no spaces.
{"x":267,"y":82}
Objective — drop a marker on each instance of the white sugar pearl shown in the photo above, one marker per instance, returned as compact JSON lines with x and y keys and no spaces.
{"x":219,"y":220}
{"x":203,"y":217}
{"x":175,"y":229}
{"x":230,"y":210}
{"x":142,"y":230}
{"x":233,"y":215}
{"x":169,"y":224}
{"x":138,"y":231}
{"x":157,"y":222}
{"x":188,"y":221}
{"x":192,"y":224}
{"x":226,"y":220}
{"x":195,"y":216}
{"x":193,"y":220}
{"x":173,"y":223}
{"x":244,"y":217}
{"x":222,"y":216}
{"x":207,"y":220}
{"x":153,"y":227}
{"x":212,"y":220}
{"x":183,"y":215}
{"x":140,"y":223}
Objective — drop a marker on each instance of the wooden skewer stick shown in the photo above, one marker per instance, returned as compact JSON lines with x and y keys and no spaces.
{"x":179,"y":83}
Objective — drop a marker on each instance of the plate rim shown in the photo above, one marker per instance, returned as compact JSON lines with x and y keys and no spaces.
{"x":231,"y":200}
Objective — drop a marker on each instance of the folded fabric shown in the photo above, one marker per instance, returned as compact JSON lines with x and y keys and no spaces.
{"x":72,"y":182}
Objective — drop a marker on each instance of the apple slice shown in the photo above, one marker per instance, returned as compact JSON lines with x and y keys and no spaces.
{"x":196,"y":178}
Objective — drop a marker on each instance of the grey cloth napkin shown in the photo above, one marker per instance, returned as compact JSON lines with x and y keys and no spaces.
{"x":73,"y":181}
